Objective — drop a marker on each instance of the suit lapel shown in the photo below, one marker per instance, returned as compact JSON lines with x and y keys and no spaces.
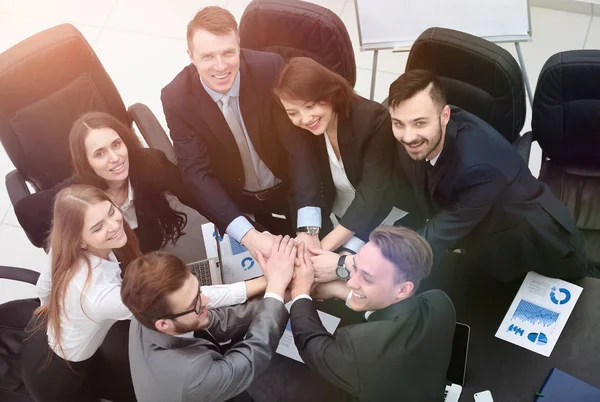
{"x":206,"y":107}
{"x":348,"y":149}
{"x":445,"y":159}
{"x":249,"y":105}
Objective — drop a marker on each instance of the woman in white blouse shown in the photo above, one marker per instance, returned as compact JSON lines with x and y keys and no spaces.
{"x":343,"y":161}
{"x":80,"y":294}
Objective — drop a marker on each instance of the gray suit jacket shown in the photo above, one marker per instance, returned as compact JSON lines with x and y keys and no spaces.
{"x":170,"y":368}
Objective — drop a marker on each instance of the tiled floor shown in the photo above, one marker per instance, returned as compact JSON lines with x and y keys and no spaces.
{"x":142,"y":46}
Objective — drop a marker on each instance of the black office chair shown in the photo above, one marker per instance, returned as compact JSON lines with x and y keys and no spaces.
{"x":14,"y":316}
{"x":478,"y":76}
{"x":46,"y":82}
{"x":294,"y":28}
{"x":566,"y":124}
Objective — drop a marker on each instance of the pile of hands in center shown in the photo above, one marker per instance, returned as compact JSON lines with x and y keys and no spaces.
{"x":297,"y":268}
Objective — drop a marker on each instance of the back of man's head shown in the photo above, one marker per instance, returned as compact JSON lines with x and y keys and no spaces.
{"x":413,"y":82}
{"x":213,"y":19}
{"x":410,"y":253}
{"x":148,"y":281}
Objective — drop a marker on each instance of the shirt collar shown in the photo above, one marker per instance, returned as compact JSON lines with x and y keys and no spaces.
{"x":129,"y":199}
{"x":234,"y":92}
{"x":434,"y":160}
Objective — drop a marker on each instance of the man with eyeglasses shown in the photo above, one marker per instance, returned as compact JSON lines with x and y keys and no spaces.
{"x":175,"y":341}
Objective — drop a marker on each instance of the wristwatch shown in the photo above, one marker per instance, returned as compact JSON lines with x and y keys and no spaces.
{"x":311,"y":230}
{"x":341,"y":271}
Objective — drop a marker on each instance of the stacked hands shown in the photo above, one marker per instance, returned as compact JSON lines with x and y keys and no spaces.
{"x":291,"y":265}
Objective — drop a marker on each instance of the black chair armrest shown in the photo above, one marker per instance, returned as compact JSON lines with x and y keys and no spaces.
{"x":523,"y":145}
{"x":19,"y":274}
{"x":16,"y":186}
{"x":151,"y":130}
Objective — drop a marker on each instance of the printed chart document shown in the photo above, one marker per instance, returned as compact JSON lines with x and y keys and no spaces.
{"x":539,"y":313}
{"x":287,"y":347}
{"x":237,"y":263}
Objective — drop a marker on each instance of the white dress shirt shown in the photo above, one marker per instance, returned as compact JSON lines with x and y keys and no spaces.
{"x":86,"y":324}
{"x":128,"y":208}
{"x":86,"y":320}
{"x":266,"y":179}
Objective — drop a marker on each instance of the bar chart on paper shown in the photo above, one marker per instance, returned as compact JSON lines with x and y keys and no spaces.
{"x":539,"y":313}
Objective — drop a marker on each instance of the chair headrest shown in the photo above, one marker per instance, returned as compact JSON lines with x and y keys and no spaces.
{"x":566,"y":108}
{"x":294,"y":28}
{"x":46,"y":82}
{"x":478,"y":76}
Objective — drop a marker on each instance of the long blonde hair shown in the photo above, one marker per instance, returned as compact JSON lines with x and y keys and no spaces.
{"x":70,"y":207}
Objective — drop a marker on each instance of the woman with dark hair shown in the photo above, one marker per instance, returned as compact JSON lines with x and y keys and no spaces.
{"x":107,"y":154}
{"x":343,"y":163}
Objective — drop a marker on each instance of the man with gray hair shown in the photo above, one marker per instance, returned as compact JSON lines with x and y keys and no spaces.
{"x":403,"y":350}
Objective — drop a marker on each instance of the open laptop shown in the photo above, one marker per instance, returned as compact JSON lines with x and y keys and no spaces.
{"x":457,"y":370}
{"x":209,"y":271}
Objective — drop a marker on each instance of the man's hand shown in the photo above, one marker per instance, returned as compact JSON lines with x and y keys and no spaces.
{"x":324,"y":263}
{"x":310,"y":241}
{"x":255,"y":241}
{"x":337,"y":289}
{"x":304,"y":274}
{"x":279,"y":268}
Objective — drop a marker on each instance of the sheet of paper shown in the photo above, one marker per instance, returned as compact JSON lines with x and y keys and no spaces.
{"x":237,"y":263}
{"x":539,"y":313}
{"x":287,"y":347}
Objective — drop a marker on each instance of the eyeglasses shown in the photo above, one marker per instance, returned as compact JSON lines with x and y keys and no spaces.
{"x":197,"y":307}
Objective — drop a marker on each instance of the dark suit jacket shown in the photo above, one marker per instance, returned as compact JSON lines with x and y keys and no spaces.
{"x":367,"y":148}
{"x":170,"y":368}
{"x":482,"y":197}
{"x":206,"y":150}
{"x":400,"y":354}
{"x":34,"y":212}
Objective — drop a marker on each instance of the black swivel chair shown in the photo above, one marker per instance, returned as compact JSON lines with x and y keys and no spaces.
{"x":566,"y":124}
{"x":14,"y":316}
{"x":478,"y":76}
{"x":294,"y":28}
{"x":46,"y":82}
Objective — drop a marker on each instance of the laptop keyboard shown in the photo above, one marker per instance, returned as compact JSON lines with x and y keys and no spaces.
{"x":201,"y":269}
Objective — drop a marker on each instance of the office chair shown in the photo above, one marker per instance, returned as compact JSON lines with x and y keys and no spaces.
{"x":566,"y":124}
{"x":14,"y":316}
{"x":46,"y":82}
{"x":297,"y":28}
{"x":478,"y":76}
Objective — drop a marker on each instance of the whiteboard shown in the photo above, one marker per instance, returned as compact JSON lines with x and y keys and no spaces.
{"x":396,"y":24}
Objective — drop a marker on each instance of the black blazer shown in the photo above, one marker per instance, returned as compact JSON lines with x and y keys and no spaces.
{"x":481,"y":196}
{"x":367,"y":148}
{"x":34,"y":212}
{"x":206,"y":150}
{"x":400,"y":354}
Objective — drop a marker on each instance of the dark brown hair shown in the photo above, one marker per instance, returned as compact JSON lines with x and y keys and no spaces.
{"x":414,"y":81}
{"x":154,"y":203}
{"x":67,"y":255}
{"x":213,"y":19}
{"x":148,"y":281}
{"x":303,"y":79}
{"x":410,"y":253}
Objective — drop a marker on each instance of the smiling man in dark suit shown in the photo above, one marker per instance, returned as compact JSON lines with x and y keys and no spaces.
{"x":402,"y":351}
{"x":224,"y":126}
{"x":476,"y":190}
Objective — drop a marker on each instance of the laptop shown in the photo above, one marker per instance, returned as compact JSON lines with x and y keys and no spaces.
{"x":209,"y":271}
{"x":457,"y":370}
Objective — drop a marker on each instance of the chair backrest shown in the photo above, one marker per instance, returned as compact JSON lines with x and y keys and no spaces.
{"x":294,"y":28}
{"x":478,"y":76}
{"x":566,"y":108}
{"x":46,"y":82}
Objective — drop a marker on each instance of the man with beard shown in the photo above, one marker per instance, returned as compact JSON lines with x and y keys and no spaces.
{"x":175,"y":339}
{"x":476,"y":190}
